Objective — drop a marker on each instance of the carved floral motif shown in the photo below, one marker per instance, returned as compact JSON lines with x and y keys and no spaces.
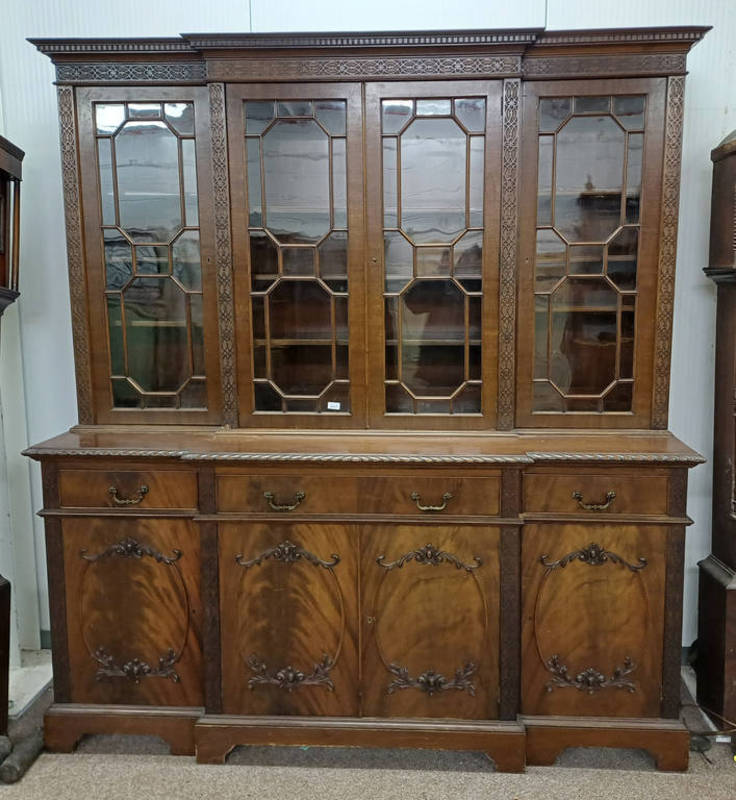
{"x":288,"y":553}
{"x":290,"y":678}
{"x":429,"y":555}
{"x":135,"y":669}
{"x":431,"y":682}
{"x":589,"y":680}
{"x":593,"y":555}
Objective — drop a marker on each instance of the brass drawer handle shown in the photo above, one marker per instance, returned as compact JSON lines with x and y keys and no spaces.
{"x":298,"y":497}
{"x":610,"y":497}
{"x":127,"y":501}
{"x":415,"y":496}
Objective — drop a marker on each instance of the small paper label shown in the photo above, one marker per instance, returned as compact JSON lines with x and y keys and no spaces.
{"x":332,"y":406}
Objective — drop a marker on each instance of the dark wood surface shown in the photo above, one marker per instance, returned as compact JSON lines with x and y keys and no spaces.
{"x":411,"y":633}
{"x":289,"y":611}
{"x":592,"y":614}
{"x":502,"y":741}
{"x":65,"y":725}
{"x":667,"y":741}
{"x":135,"y":607}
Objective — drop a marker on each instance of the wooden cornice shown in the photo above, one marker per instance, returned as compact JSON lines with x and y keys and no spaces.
{"x":533,"y":53}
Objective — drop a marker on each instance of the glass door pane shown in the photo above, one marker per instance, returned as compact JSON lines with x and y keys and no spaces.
{"x":587,"y":243}
{"x":432,"y":167}
{"x":298,"y":238}
{"x":148,"y":199}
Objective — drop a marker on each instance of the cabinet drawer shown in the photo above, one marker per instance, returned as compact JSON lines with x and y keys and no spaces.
{"x":595,"y":493}
{"x":128,"y":489}
{"x":287,"y":493}
{"x":401,"y":495}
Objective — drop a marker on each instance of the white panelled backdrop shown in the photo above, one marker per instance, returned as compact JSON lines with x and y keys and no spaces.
{"x":28,"y":117}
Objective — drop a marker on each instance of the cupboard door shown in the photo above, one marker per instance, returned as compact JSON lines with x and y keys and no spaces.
{"x":288,"y":616}
{"x":592,"y":625}
{"x":133,"y":611}
{"x":430,"y":621}
{"x":590,"y":198}
{"x":432,"y":209}
{"x":296,"y":187}
{"x":148,"y":220}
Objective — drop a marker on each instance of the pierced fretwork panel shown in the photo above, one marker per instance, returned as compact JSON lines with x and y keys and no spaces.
{"x":589,"y":189}
{"x":433,"y":166}
{"x":150,"y":230}
{"x":298,"y":230}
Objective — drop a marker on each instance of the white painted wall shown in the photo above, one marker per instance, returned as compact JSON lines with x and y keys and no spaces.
{"x":30,"y":119}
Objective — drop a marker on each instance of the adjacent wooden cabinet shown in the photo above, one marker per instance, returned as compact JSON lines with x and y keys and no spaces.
{"x":372,"y":338}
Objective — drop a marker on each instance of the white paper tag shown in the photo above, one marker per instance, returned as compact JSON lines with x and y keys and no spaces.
{"x":332,"y":406}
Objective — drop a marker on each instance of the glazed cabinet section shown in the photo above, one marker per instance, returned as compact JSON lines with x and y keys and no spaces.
{"x":133,"y":610}
{"x":593,"y":597}
{"x":298,"y":598}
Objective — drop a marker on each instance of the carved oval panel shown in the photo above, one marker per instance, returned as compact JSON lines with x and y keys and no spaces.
{"x":418,"y":628}
{"x":134,"y":611}
{"x":291,"y":616}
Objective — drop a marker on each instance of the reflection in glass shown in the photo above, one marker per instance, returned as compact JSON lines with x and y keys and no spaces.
{"x":633,"y":176}
{"x":332,"y":114}
{"x":433,"y":175}
{"x":630,"y":111}
{"x":107,"y":181}
{"x":147,"y":157}
{"x":297,"y":196}
{"x":589,"y":105}
{"x":622,"y":252}
{"x":181,"y":117}
{"x":300,"y":310}
{"x":584,"y":326}
{"x":258,"y":115}
{"x":151,"y":260}
{"x":189,"y":174}
{"x":109,"y":117}
{"x":185,"y":260}
{"x":156,"y":334}
{"x":471,"y":111}
{"x":298,"y":260}
{"x":339,"y":184}
{"x":553,"y":111}
{"x":395,"y":114}
{"x":428,"y":108}
{"x":588,"y":178}
{"x":434,"y":265}
{"x":115,"y":327}
{"x":118,"y":259}
{"x":390,"y":194}
{"x":475,"y":212}
{"x":297,"y":180}
{"x":147,"y":160}
{"x":550,"y":264}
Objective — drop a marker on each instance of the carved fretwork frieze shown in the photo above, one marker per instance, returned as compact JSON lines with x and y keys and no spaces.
{"x":288,"y":677}
{"x":74,"y":252}
{"x":132,"y":548}
{"x":288,"y":553}
{"x":223,"y":253}
{"x":589,"y":680}
{"x":594,"y":556}
{"x":668,"y":248}
{"x":593,"y":65}
{"x":428,"y":555}
{"x":135,"y":669}
{"x":507,"y":266}
{"x":431,"y":682}
{"x":363,"y":67}
{"x":131,"y":72}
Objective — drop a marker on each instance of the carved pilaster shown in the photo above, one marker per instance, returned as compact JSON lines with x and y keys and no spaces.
{"x":667,"y":249}
{"x":507,"y":265}
{"x":74,"y":255}
{"x":223,"y":253}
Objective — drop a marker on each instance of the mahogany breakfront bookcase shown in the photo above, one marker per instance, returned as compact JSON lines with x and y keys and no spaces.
{"x":372,"y":338}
